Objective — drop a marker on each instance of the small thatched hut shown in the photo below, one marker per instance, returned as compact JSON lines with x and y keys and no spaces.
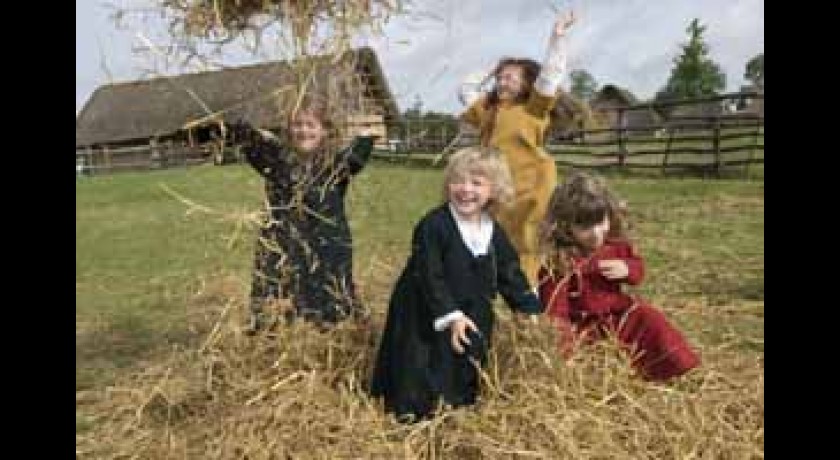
{"x":571,"y":115}
{"x":610,"y":98}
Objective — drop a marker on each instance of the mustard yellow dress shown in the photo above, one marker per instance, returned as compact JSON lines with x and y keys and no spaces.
{"x":519,"y":133}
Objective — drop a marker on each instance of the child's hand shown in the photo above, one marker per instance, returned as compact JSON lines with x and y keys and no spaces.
{"x":458,"y":331}
{"x":367,"y":132}
{"x":470,"y":89}
{"x":564,"y":23}
{"x":614,"y":269}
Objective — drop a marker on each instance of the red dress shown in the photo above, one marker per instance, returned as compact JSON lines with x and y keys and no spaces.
{"x":586,"y":305}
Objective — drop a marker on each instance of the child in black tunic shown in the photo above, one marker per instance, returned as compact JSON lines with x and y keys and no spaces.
{"x":440,"y":317}
{"x":304,"y":250}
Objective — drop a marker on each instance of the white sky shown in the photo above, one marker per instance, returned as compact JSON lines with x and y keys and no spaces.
{"x":631,"y":43}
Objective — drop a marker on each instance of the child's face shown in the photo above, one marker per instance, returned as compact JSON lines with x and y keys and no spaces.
{"x":593,"y":236}
{"x":469,"y":194}
{"x":307,"y":131}
{"x":509,"y":82}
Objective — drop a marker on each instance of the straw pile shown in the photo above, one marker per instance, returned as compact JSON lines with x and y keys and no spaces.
{"x":300,"y":393}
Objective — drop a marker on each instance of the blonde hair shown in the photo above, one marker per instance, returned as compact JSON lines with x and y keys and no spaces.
{"x":481,"y":161}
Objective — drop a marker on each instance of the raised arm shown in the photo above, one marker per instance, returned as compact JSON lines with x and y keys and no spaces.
{"x":262,"y":150}
{"x":358,"y":152}
{"x":553,"y":68}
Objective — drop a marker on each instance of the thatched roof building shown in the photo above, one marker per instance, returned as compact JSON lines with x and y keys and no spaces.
{"x":138,"y":112}
{"x":610,"y":98}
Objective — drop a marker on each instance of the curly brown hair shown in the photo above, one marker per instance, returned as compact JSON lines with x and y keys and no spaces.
{"x":581,"y":200}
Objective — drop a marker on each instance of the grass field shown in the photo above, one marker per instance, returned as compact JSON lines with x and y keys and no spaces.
{"x":153,"y":276}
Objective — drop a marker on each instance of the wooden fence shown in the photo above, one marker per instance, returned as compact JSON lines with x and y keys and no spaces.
{"x":709,"y":143}
{"x":104,"y":160}
{"x":698,"y":135}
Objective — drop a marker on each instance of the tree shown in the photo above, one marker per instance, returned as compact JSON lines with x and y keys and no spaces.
{"x":754,"y":71}
{"x":694,"y":74}
{"x":583,"y":84}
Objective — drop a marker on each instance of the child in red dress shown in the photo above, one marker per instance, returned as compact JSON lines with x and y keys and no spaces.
{"x":589,"y":258}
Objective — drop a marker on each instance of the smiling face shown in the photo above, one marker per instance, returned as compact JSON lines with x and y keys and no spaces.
{"x":476,"y":179}
{"x":510,"y":82}
{"x":307,"y":131}
{"x":469,"y":194}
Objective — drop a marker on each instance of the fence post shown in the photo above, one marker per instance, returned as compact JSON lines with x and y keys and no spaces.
{"x":667,"y":150}
{"x":622,"y":148}
{"x":106,"y":154}
{"x":582,"y":131}
{"x":154,"y":155}
{"x":91,"y":161}
{"x":752,"y":148}
{"x":716,"y":144}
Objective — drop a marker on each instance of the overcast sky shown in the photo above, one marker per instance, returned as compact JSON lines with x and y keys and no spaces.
{"x":631,"y":43}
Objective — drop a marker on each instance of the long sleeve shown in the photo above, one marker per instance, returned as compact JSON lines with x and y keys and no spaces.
{"x":472,"y":115}
{"x":262,"y":154}
{"x":635,"y":265}
{"x":264,"y":157}
{"x":512,"y":283}
{"x":358,"y":153}
{"x":553,"y":68}
{"x":551,"y":75}
{"x":428,"y":254}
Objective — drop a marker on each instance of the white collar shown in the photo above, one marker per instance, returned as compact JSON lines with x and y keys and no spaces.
{"x":476,"y":236}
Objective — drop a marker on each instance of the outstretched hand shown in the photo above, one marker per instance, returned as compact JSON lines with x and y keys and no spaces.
{"x":563,"y":23}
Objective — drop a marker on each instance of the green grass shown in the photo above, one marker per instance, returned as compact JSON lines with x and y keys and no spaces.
{"x":142,"y":260}
{"x":139,"y":257}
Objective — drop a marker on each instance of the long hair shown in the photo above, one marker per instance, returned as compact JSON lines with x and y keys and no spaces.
{"x":530,"y":71}
{"x":581,"y":200}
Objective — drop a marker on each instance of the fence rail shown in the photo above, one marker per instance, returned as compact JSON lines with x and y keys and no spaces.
{"x":138,"y":158}
{"x":694,"y":136}
{"x":710,"y":139}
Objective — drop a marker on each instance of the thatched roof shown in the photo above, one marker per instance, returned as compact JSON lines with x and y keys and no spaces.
{"x":162,"y":106}
{"x":613,"y":96}
{"x":572,"y":113}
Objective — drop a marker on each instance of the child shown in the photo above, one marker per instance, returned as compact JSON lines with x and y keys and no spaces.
{"x":460,"y":259}
{"x":305,"y":249}
{"x":589,"y":259}
{"x":514,"y":118}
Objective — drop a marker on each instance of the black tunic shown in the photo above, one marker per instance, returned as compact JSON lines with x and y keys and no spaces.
{"x":304,"y":250}
{"x":416,"y":364}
